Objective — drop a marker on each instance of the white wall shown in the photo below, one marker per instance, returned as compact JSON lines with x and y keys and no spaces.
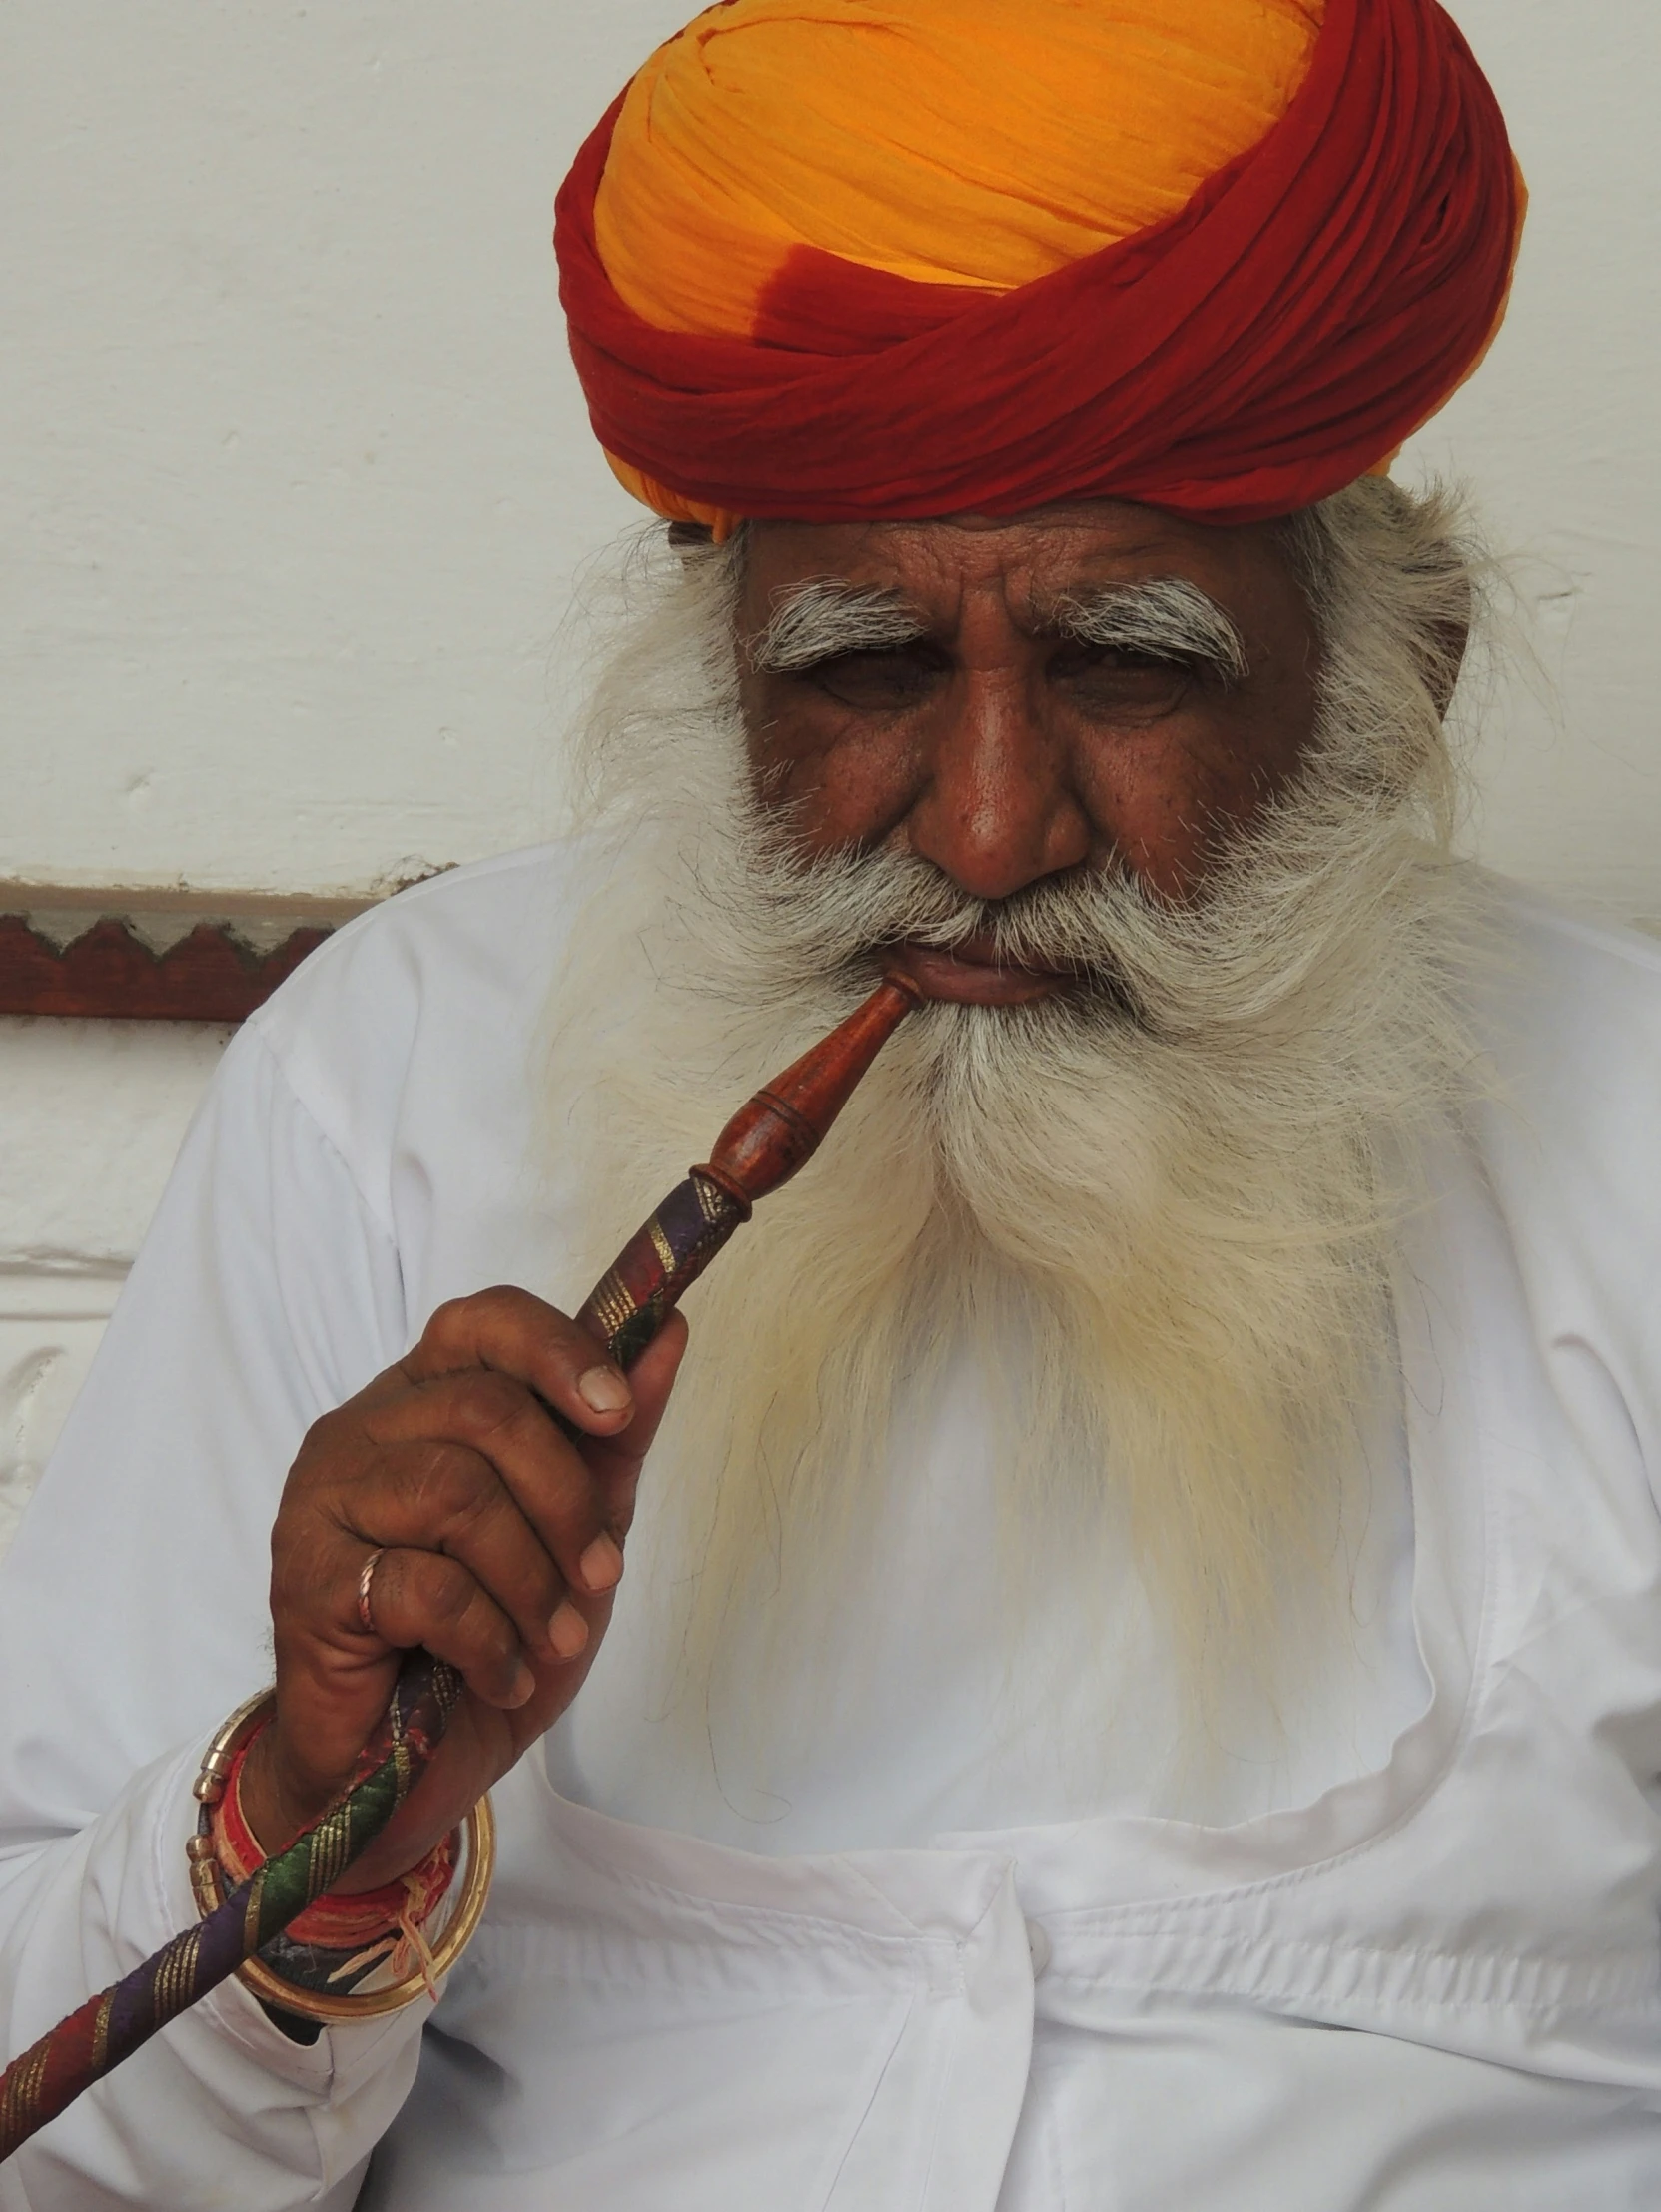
{"x":90,"y":1117}
{"x":1561,"y":434}
{"x":299,"y":467}
{"x":297,"y":479}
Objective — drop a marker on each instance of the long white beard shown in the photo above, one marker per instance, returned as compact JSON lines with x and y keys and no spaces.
{"x":1155,"y":1217}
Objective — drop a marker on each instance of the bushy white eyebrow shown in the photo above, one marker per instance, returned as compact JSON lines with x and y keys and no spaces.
{"x":1162,"y":617}
{"x":823,"y":618}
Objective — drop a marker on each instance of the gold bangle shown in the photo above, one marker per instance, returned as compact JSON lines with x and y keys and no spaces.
{"x":478,"y":1830}
{"x":478,"y":1833}
{"x":221,"y":1756}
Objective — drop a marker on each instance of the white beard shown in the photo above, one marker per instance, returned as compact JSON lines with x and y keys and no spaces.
{"x":1155,"y":1217}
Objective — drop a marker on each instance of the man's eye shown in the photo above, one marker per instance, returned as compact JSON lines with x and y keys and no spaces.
{"x":884,"y":681}
{"x":1108,"y":677}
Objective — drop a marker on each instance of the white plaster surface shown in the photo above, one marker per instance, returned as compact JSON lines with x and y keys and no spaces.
{"x":91,"y":1115}
{"x":299,"y":469}
{"x":298,"y":478}
{"x":49,"y":1329}
{"x":1560,"y":434}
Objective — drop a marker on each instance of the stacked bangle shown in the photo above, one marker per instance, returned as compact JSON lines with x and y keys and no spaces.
{"x":298,"y":1975}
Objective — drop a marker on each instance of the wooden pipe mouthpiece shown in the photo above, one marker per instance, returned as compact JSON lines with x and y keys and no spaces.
{"x":781,"y":1128}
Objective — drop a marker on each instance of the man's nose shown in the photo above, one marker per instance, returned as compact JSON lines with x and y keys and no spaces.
{"x":996,"y":809}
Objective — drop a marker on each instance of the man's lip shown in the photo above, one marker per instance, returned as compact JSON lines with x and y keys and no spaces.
{"x":970,"y":975}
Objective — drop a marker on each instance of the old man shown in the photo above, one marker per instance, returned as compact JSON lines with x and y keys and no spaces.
{"x":1126,"y":1670}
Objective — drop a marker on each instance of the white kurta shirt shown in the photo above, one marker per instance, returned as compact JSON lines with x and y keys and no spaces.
{"x":1408,"y":1962}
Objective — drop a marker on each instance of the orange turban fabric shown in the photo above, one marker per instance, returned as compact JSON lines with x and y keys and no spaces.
{"x":836,"y":260}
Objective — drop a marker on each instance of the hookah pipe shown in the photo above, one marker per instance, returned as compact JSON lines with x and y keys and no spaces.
{"x":766,"y":1142}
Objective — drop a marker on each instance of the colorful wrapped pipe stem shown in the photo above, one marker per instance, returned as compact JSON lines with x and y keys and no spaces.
{"x":762,"y":1146}
{"x":109,"y":2027}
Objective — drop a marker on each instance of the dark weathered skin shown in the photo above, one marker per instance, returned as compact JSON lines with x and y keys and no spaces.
{"x":454,"y":1461}
{"x":1002,"y":752}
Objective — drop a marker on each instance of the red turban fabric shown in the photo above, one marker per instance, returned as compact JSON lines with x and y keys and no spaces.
{"x":1306,"y":304}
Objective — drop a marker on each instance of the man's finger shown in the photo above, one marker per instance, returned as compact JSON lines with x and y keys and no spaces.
{"x":618,"y":1457}
{"x":521,"y":1335}
{"x":443,"y":1498}
{"x":419,"y":1597}
{"x":506,"y":1430}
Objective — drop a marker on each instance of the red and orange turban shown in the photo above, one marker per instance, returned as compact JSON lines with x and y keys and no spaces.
{"x":836,"y":260}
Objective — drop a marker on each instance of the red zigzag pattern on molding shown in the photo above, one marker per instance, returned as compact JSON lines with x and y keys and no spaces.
{"x":110,"y":973}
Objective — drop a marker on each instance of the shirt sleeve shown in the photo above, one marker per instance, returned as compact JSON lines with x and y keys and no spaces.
{"x":134,"y":1617}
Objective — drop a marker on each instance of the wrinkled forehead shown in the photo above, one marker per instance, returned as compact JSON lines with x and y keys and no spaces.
{"x":1029,"y":563}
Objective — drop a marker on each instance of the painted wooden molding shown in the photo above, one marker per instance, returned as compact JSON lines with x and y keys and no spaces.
{"x":154,"y":954}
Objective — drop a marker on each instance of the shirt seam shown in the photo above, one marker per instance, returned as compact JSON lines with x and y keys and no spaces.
{"x":374,"y":1212}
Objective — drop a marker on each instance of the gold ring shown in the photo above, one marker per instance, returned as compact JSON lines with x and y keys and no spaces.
{"x":366,"y":1575}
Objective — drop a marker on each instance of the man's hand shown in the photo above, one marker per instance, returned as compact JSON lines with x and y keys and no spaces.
{"x":500,"y":1543}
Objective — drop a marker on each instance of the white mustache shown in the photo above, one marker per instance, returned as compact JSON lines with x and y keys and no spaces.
{"x":845,"y":911}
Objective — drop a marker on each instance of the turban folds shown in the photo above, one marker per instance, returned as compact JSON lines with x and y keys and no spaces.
{"x":837,"y":260}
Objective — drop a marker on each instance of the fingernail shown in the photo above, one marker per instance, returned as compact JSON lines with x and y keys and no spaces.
{"x":525,"y":1682}
{"x":601,"y":1565}
{"x":568,"y":1632}
{"x":603,"y":1390}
